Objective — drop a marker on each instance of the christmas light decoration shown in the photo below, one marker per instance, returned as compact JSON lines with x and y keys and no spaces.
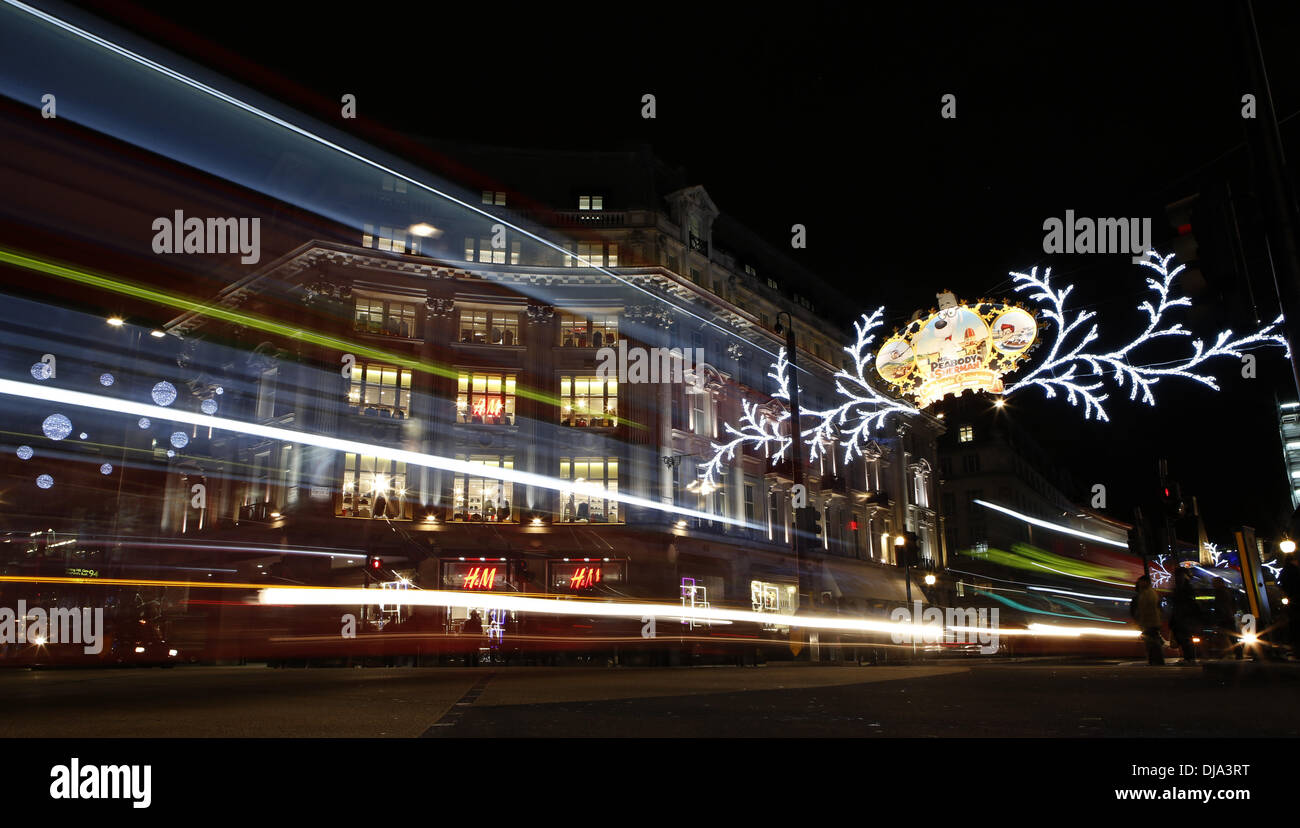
{"x":1060,"y":371}
{"x":1067,"y":369}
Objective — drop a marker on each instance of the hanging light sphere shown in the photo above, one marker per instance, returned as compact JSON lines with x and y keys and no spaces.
{"x":56,"y":426}
{"x":25,"y":452}
{"x":164,"y":393}
{"x":45,"y":481}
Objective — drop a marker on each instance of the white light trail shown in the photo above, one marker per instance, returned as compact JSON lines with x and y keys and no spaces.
{"x":1055,"y":527}
{"x":1078,"y":594}
{"x":311,"y":136}
{"x":79,"y":398}
{"x":326,"y":596}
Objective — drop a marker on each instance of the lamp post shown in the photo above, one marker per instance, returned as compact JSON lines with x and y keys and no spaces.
{"x":796,"y":455}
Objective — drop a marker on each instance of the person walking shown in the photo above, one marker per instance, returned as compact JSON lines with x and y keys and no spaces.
{"x":1225,"y":617}
{"x":1146,"y":612}
{"x":473,"y":627}
{"x":1185,"y":616}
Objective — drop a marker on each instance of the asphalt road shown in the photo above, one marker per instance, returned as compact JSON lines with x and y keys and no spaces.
{"x":978,"y":699}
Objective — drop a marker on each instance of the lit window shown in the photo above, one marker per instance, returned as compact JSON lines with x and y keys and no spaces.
{"x":593,"y":254}
{"x":488,"y":399}
{"x":380,"y":390}
{"x":585,"y":506}
{"x":373,"y":483}
{"x":483,"y":499}
{"x":379,"y":316}
{"x":588,"y":330}
{"x":387,"y":238}
{"x":591,"y":202}
{"x":588,"y":401}
{"x":489,"y":327}
{"x":494,"y":197}
{"x":966,"y":434}
{"x":481,"y":249}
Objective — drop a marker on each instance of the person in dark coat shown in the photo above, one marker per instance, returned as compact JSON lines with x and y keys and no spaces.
{"x":1185,"y":617}
{"x":1289,"y":582}
{"x":1225,"y":616}
{"x":1146,"y":612}
{"x":473,"y":627}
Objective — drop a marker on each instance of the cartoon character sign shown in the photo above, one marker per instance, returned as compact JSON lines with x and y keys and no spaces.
{"x":896,"y":361}
{"x":1014,"y":330}
{"x":953,"y":337}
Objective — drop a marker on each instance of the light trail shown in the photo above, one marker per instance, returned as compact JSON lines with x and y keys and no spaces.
{"x":332,"y":596}
{"x":1055,"y":527}
{"x":311,"y":136}
{"x":49,"y":394}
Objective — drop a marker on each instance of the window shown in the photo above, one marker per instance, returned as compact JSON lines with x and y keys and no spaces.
{"x":387,"y":238}
{"x":750,"y":270}
{"x":588,"y":330}
{"x":481,"y":249}
{"x":591,"y":202}
{"x":488,"y":399}
{"x":394,"y":185}
{"x":581,"y":505}
{"x":597,"y":254}
{"x":489,"y":327}
{"x":483,"y":499}
{"x":945,"y":467}
{"x":380,"y":316}
{"x":367,"y":480}
{"x":695,"y":276}
{"x":588,"y":401}
{"x":266,"y":394}
{"x":949,"y":504}
{"x":494,"y":197}
{"x":966,"y":434}
{"x":970,"y":463}
{"x":773,"y":284}
{"x":380,"y":390}
{"x":749,"y":502}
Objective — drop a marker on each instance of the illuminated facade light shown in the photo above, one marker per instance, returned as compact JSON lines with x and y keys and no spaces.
{"x":115,"y":321}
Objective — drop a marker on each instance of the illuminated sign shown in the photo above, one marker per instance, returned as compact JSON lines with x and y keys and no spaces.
{"x":483,"y":576}
{"x":568,"y":576}
{"x":959,"y":348}
{"x":480,"y":577}
{"x":489,"y":408}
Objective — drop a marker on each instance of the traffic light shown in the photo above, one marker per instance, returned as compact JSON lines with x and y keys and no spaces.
{"x":374,"y":563}
{"x":808,"y":521}
{"x":1171,"y":500}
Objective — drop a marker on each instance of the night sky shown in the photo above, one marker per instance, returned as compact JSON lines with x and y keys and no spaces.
{"x":830,"y":117}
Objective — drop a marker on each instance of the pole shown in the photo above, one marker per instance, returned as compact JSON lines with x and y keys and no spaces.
{"x":796,"y":459}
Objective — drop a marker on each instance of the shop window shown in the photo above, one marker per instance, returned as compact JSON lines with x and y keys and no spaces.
{"x":380,"y":391}
{"x":489,"y":327}
{"x":588,"y":401}
{"x":486,"y":399}
{"x":478,"y":499}
{"x":582,"y":505}
{"x":373,"y":487}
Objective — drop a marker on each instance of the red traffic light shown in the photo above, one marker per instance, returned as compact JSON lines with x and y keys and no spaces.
{"x":376,"y":563}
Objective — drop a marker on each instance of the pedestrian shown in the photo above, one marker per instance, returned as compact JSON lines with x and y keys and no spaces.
{"x":474,"y":627}
{"x":1289,"y":582}
{"x":1225,"y":616}
{"x":1145,"y":609}
{"x":1185,"y":617}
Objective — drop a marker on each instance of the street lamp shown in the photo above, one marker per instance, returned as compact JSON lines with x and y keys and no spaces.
{"x":796,"y":450}
{"x":1287,"y":546}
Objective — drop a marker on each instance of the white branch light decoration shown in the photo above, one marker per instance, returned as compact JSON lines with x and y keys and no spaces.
{"x":1067,"y":369}
{"x":1059,"y":372}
